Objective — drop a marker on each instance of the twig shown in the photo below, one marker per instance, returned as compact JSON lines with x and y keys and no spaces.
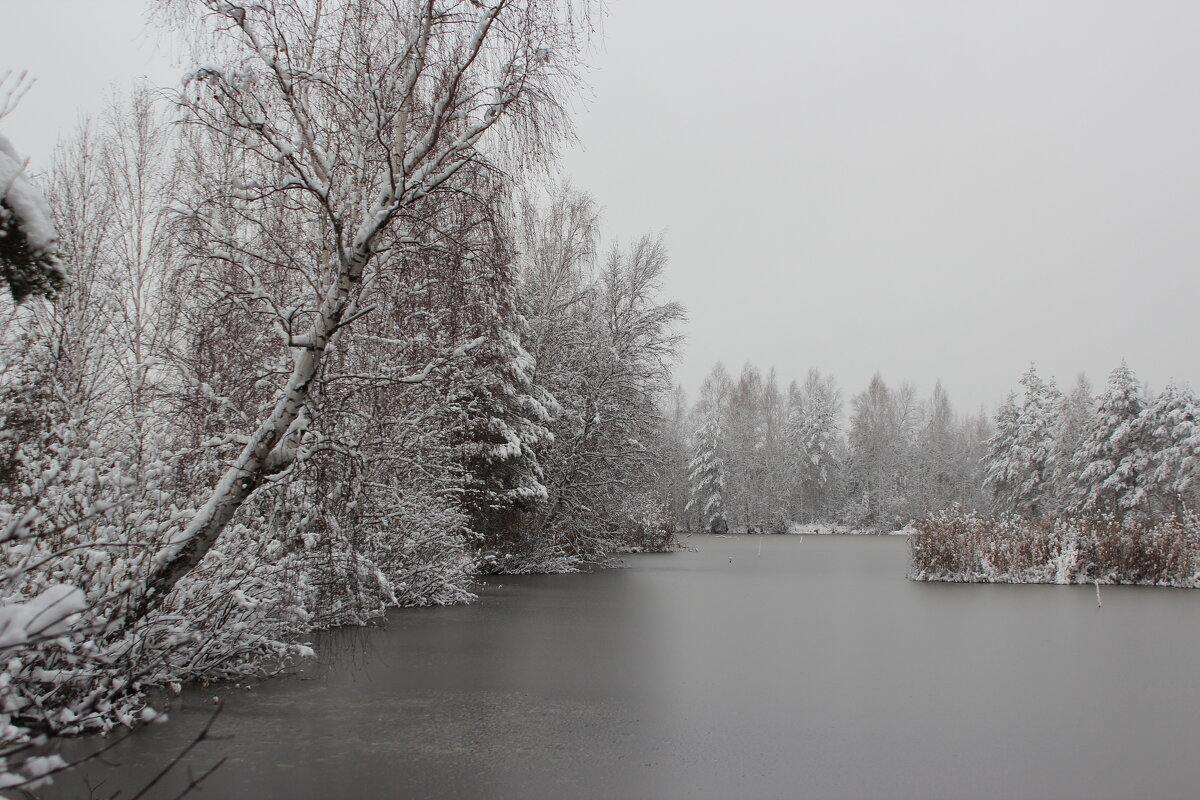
{"x":200,"y":737}
{"x":96,"y":756}
{"x":194,"y":782}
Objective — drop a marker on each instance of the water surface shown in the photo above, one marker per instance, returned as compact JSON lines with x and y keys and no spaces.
{"x":813,"y":670}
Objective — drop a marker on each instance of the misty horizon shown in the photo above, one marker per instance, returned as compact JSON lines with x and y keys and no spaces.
{"x":933,"y":192}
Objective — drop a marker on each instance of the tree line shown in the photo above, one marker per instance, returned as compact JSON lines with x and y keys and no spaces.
{"x":1084,"y":489}
{"x":760,"y":458}
{"x":1124,"y":451}
{"x":750,"y":456}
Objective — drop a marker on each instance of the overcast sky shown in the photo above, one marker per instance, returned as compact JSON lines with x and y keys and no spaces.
{"x":934,"y":189}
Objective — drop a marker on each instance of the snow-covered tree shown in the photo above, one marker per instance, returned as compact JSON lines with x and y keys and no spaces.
{"x":1000,"y":470}
{"x":603,"y":342}
{"x":1105,"y":477}
{"x":878,"y":446}
{"x":507,"y":417}
{"x":815,"y":447}
{"x":1169,"y":466}
{"x":342,"y":139}
{"x":974,"y":432}
{"x":1034,"y":447}
{"x":1075,"y":412}
{"x":745,"y":433}
{"x":707,"y":475}
{"x":937,"y":452}
{"x":29,"y":261}
{"x":675,"y":477}
{"x":1020,"y":454}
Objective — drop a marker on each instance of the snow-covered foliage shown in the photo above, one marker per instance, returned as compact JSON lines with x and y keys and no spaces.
{"x":814,"y":447}
{"x":1074,"y":415}
{"x":787,"y":459}
{"x":1169,"y":462}
{"x":29,"y":260}
{"x":81,"y":519}
{"x":291,"y":372}
{"x":1125,"y":451}
{"x":962,"y":546}
{"x":1020,"y":454}
{"x":1105,"y":476}
{"x":907,"y":457}
{"x":706,"y":471}
{"x":1086,"y":490}
{"x":602,"y":342}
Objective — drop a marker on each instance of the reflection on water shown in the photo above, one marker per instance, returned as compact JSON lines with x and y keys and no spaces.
{"x":812,"y":670}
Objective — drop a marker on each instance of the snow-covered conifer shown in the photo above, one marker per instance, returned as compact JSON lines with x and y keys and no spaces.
{"x":29,"y":261}
{"x":1019,"y":456}
{"x":1105,"y":476}
{"x":1075,"y":411}
{"x":1170,"y":463}
{"x":707,"y":475}
{"x":1001,"y":474}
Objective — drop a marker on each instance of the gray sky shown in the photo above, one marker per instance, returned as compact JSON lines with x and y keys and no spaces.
{"x":933,"y":189}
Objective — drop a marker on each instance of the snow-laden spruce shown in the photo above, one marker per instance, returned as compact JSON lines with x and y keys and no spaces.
{"x":706,"y":472}
{"x":29,"y":261}
{"x":1124,"y":452}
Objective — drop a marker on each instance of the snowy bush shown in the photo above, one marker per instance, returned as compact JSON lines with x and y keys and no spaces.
{"x":962,"y":546}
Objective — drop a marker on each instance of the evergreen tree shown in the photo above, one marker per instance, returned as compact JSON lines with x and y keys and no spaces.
{"x":1000,"y":470}
{"x":29,"y":263}
{"x":506,"y":416}
{"x":1019,"y":455}
{"x":1169,"y":467}
{"x":707,"y":474}
{"x":1035,"y":443}
{"x":1074,"y":416}
{"x":1106,"y":466}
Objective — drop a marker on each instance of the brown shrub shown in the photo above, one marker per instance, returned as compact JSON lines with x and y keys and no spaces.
{"x":965,"y":546}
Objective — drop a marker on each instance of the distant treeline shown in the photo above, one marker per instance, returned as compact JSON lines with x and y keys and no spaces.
{"x":761,"y":457}
{"x":752,"y":456}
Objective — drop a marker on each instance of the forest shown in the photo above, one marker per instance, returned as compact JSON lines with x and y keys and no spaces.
{"x":762,"y":459}
{"x":316,"y":336}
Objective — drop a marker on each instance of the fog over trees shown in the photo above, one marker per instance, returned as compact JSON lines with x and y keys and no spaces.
{"x":764,"y":459}
{"x":801,"y":455}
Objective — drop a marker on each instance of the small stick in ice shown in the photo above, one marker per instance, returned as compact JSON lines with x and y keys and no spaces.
{"x":1097,"y":593}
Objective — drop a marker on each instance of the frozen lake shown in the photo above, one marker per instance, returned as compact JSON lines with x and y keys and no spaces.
{"x":813,"y":670}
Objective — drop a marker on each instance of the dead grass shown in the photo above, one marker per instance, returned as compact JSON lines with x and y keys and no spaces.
{"x":956,"y":545}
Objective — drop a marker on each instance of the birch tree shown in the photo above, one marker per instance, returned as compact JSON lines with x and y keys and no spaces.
{"x":340,"y":121}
